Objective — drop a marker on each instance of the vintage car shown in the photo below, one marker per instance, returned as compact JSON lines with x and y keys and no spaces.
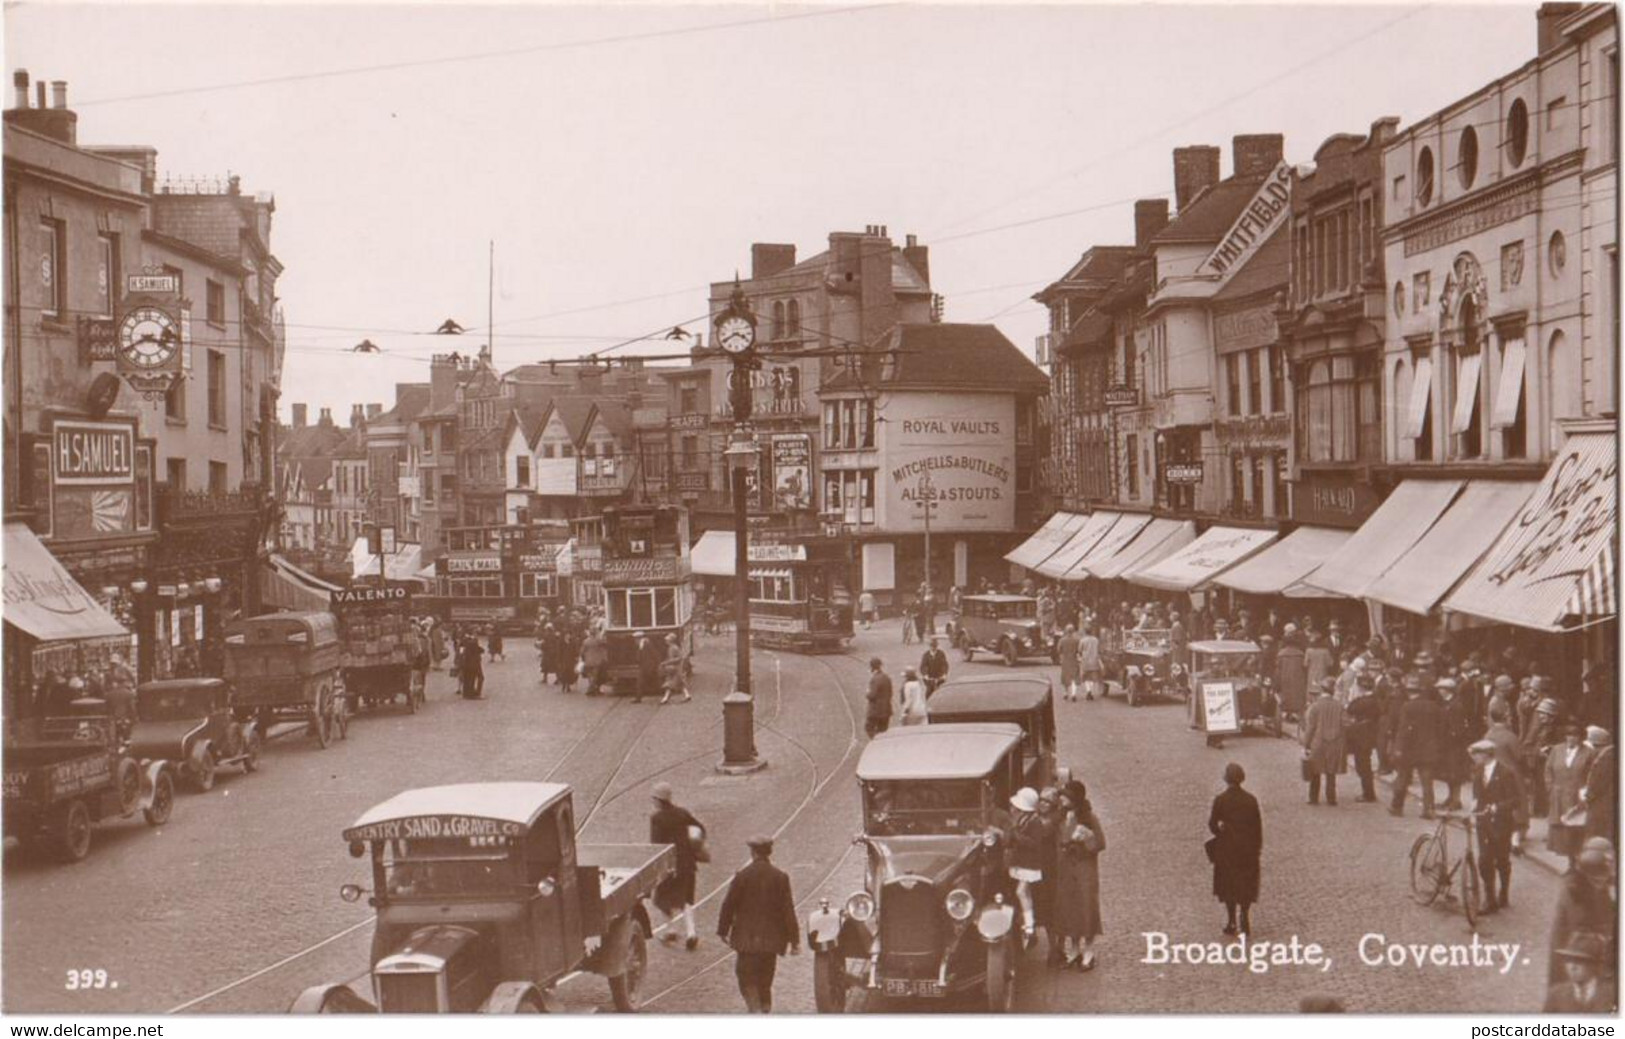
{"x":1026,"y":700}
{"x":191,"y":723}
{"x":936,"y":916}
{"x":1003,"y":624}
{"x":485,"y":902}
{"x":1227,"y":693}
{"x":286,"y":667}
{"x":1148,"y":667}
{"x":64,"y":773}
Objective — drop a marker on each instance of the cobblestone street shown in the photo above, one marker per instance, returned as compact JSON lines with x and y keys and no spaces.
{"x":183,"y":917}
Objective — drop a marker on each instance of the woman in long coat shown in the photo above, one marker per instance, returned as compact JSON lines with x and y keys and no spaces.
{"x":1066,"y":648}
{"x":1291,"y":678}
{"x":1075,"y":915}
{"x":1318,"y":662}
{"x":1235,"y":848}
{"x":1567,"y":766}
{"x":1324,"y":754}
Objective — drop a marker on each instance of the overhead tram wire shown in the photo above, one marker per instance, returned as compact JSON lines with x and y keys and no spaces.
{"x":510,"y":52}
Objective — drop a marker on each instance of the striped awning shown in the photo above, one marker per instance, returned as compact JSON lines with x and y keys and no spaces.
{"x":1555,"y":560}
{"x":1044,"y":542}
{"x":1083,"y":539}
{"x":1127,"y":527}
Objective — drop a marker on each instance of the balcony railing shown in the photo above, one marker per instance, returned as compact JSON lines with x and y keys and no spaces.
{"x":176,"y":504}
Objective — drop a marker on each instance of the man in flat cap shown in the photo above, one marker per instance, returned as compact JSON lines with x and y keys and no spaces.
{"x":758,"y":920}
{"x":1496,"y":795}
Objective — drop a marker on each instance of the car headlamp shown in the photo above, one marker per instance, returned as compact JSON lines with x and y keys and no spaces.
{"x":1176,"y":670}
{"x":1148,"y":669}
{"x":960,"y":904}
{"x":861,"y":906}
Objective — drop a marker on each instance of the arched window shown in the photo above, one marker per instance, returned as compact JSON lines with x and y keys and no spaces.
{"x":1399,"y":399}
{"x":1562,"y":384}
{"x":1466,"y":374}
{"x":793,"y":317}
{"x":778,"y":319}
{"x":1320,"y":411}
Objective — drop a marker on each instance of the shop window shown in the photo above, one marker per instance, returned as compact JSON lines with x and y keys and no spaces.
{"x":537,"y":586}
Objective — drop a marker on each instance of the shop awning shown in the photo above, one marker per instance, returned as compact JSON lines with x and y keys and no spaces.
{"x":1387,"y":534}
{"x":288,"y":593}
{"x":1046,"y":540}
{"x":401,"y":565}
{"x":1556,"y":560}
{"x":1218,"y":549}
{"x":1280,"y":568}
{"x":713,"y":554}
{"x":1160,"y":539}
{"x":1082,"y":540}
{"x":1421,"y":577}
{"x":566,"y":559}
{"x":1113,"y":541}
{"x":301,"y":576}
{"x":43,"y":599}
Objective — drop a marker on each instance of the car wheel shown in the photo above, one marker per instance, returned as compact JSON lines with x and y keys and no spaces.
{"x":1011,"y":657}
{"x":626,"y":988}
{"x":1001,"y":982}
{"x":70,"y":831}
{"x":829,"y":982}
{"x":163,"y":800}
{"x":201,"y":767}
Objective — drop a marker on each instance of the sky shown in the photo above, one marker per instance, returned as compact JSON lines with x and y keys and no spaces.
{"x":623,"y":157}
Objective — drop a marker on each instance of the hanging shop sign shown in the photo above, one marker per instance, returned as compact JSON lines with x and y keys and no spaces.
{"x":94,"y":470}
{"x":538,"y":562}
{"x":792,"y":471}
{"x":693,"y":483}
{"x":1123,"y":396}
{"x":153,"y":325}
{"x":1182,"y":472}
{"x":98,"y":339}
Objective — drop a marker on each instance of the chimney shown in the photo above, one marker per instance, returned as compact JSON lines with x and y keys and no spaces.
{"x":327,"y":417}
{"x":1547,"y":32}
{"x":59,"y":93}
{"x":358,"y":416}
{"x":299,"y":413}
{"x":768,"y":259}
{"x":59,"y":123}
{"x":1196,"y":169}
{"x":918,"y":257}
{"x":1150,"y":217}
{"x":442,"y":381}
{"x":373,"y":411}
{"x":39,"y":94}
{"x":20,"y":80}
{"x":1255,"y":154}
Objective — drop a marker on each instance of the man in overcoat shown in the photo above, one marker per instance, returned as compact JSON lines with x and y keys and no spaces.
{"x":1458,"y":732}
{"x":1495,"y":798}
{"x":758,"y":921}
{"x":1324,"y":757}
{"x":1416,"y":744}
{"x":878,"y":717}
{"x":933,"y":667}
{"x":651,"y":662}
{"x":1601,"y":793}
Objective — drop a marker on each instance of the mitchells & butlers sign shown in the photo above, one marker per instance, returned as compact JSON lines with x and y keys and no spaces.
{"x":965,"y":443}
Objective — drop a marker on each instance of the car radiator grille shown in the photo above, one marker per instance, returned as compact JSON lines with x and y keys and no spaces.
{"x":409,"y":993}
{"x":911,"y":929}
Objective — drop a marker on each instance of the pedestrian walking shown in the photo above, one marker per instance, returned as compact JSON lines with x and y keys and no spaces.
{"x":1324,"y":756}
{"x":758,"y":921}
{"x":1535,"y":742}
{"x":1026,"y":858}
{"x":933,"y":667}
{"x":1291,"y":675}
{"x":1416,"y":745}
{"x":1360,"y":720}
{"x":493,"y":640}
{"x":594,"y":662}
{"x":866,"y":608}
{"x":1066,"y":649}
{"x":437,"y":644}
{"x":672,"y":671}
{"x":1089,"y":665}
{"x":910,"y":620}
{"x":913,"y":699}
{"x":1050,"y":819}
{"x":1236,"y":849}
{"x":471,"y":669}
{"x":1495,"y":797}
{"x":880,"y":693}
{"x":1583,"y":989}
{"x":672,"y":824}
{"x":1075,"y":913}
{"x":1586,"y":904}
{"x":927,"y":624}
{"x":1318,"y":662}
{"x":566,"y":658}
{"x":1568,"y":765}
{"x":1601,"y":793}
{"x":651,"y":659}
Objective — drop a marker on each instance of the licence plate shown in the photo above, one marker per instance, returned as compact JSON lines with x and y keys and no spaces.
{"x":908,"y":987}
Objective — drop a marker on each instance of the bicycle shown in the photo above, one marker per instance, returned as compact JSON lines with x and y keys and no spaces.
{"x":1434,"y":871}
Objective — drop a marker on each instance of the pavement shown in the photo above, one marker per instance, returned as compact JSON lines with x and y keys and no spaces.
{"x":233,"y":906}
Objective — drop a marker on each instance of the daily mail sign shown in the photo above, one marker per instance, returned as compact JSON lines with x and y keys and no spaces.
{"x":1266,"y":212}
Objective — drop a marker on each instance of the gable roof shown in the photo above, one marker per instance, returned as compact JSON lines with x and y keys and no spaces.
{"x":574,"y":413}
{"x":1100,"y":265}
{"x":411,"y":398}
{"x":617,"y":419}
{"x":1266,"y":270}
{"x":1210,"y":215}
{"x":308,"y":441}
{"x":959,"y":356}
{"x":532,"y":420}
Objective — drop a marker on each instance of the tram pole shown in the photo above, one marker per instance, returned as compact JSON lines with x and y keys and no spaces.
{"x":735,"y":331}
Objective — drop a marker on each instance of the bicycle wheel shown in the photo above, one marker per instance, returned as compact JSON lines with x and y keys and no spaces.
{"x":1427,"y":866}
{"x":1469,"y":888}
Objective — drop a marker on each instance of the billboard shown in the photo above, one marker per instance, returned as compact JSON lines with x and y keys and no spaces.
{"x":555,"y":476}
{"x":93,"y":479}
{"x":961,"y":447}
{"x":792,"y":471}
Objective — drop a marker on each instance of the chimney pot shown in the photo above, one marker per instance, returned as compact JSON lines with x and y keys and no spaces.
{"x":299,"y":413}
{"x":911,"y":241}
{"x":39,"y":94}
{"x":59,"y":93}
{"x":327,"y":417}
{"x":374,"y":410}
{"x":357,"y":415}
{"x":1255,"y":154}
{"x":20,"y":80}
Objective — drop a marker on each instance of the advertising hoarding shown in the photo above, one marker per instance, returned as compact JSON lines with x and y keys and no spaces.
{"x":792,"y":471}
{"x":965,"y":443}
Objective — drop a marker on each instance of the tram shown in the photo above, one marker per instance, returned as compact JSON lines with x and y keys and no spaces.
{"x":647,"y":583}
{"x":799,"y":598}
{"x":498,"y":575}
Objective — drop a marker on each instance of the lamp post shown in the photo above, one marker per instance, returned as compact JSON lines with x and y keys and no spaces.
{"x":736,"y":333}
{"x":926,"y":499}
